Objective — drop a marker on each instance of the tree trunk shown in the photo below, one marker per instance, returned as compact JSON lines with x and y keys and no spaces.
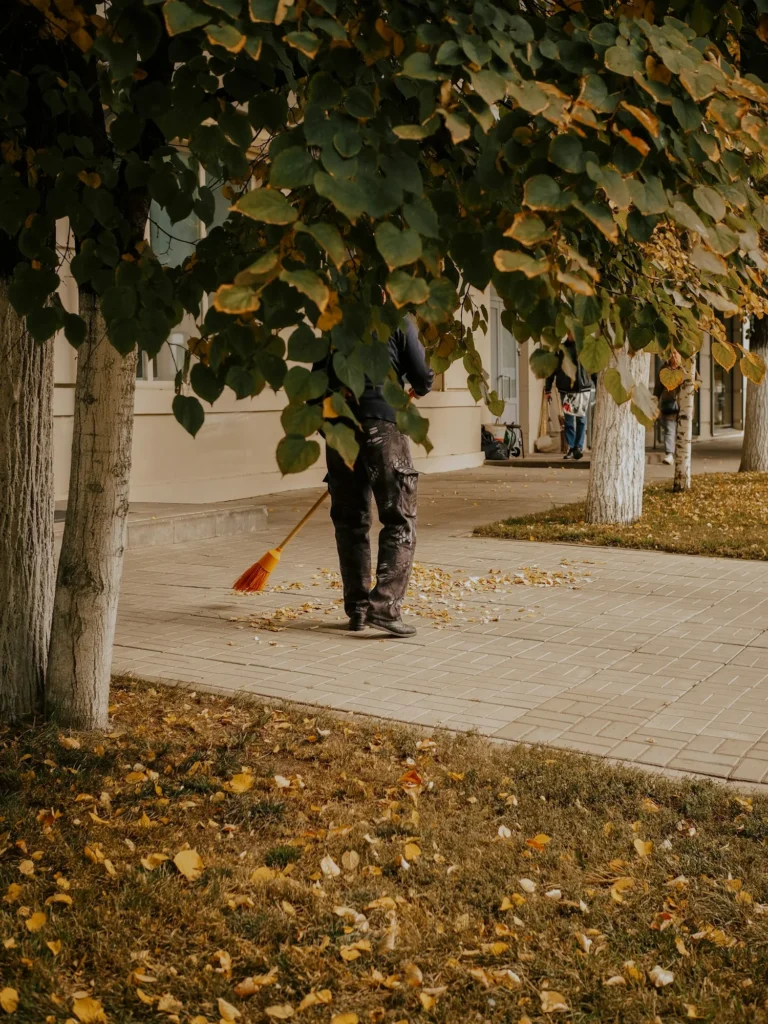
{"x":91,"y":563}
{"x":27,"y":568}
{"x":617,"y":470}
{"x":754,"y":451}
{"x":682,"y":481}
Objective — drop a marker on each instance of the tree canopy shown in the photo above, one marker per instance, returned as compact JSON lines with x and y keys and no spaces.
{"x":406,"y":150}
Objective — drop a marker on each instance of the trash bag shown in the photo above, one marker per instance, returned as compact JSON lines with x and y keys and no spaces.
{"x":494,"y":450}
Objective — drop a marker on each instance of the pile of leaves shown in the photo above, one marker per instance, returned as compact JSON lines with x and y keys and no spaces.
{"x":723,"y":514}
{"x":207,"y":861}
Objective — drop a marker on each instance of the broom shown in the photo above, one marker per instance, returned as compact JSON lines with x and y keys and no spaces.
{"x":257,"y":577}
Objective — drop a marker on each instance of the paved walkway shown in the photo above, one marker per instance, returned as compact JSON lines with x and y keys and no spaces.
{"x":643,"y":656}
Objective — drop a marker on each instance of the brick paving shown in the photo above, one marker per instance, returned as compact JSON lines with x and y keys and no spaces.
{"x":657,"y":659}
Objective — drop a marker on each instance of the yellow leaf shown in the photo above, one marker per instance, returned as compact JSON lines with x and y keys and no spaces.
{"x":350,"y":858}
{"x":92,"y":180}
{"x":27,"y":867}
{"x":323,"y":997}
{"x":644,"y":849}
{"x":413,"y":976}
{"x":680,"y":947}
{"x":36,"y":921}
{"x":263,"y":874}
{"x":539,"y":842}
{"x":282,"y":1012}
{"x":345,"y":1018}
{"x":506,"y":904}
{"x":553,"y":1002}
{"x":650,"y":806}
{"x":9,"y":999}
{"x":427,"y":1001}
{"x":239,"y":783}
{"x":227,"y":1011}
{"x":412,"y":851}
{"x":619,"y":887}
{"x":55,"y":946}
{"x":69,"y":742}
{"x":153,"y":861}
{"x":89,"y":1010}
{"x":59,"y":897}
{"x":189,"y":863}
{"x":133,"y":777}
{"x":13,"y":895}
{"x":328,"y":320}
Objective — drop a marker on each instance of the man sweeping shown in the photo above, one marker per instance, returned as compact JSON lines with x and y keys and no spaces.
{"x":385,"y":470}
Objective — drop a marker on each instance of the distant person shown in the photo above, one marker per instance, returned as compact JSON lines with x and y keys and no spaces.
{"x":669,"y":409}
{"x":575,"y":397}
{"x":385,"y":470}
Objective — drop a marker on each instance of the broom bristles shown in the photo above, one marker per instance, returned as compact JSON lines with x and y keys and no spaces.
{"x":253,"y":579}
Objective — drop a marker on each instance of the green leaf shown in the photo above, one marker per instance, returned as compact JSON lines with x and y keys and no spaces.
{"x":234,"y":299}
{"x":595,"y":354}
{"x":189,"y":413}
{"x":118,"y":302}
{"x":722,"y":239}
{"x":404,"y":289}
{"x":566,"y":151}
{"x":295,"y":454}
{"x":394,"y":395}
{"x":528,"y":229}
{"x":459,"y":128}
{"x":419,"y":65}
{"x":442,"y":302}
{"x":710,"y":201}
{"x":644,"y":405}
{"x":613,"y":385}
{"x":43,"y":323}
{"x":399,"y":248}
{"x":420,"y":215}
{"x":624,"y":60}
{"x":75,"y":330}
{"x":267,"y":205}
{"x":708,"y":261}
{"x":231,"y":7}
{"x":329,"y":239}
{"x":350,"y":372}
{"x":687,"y":217}
{"x":180,"y":17}
{"x":348,"y":142}
{"x":304,"y":346}
{"x":309,"y":284}
{"x":205,"y":383}
{"x":306,"y":42}
{"x":125,"y":131}
{"x":374,"y":359}
{"x":227,"y":36}
{"x":543,"y":363}
{"x":490,"y":85}
{"x":411,"y":422}
{"x":346,"y":196}
{"x":292,"y":168}
{"x":301,"y":420}
{"x":543,"y":193}
{"x":342,"y":438}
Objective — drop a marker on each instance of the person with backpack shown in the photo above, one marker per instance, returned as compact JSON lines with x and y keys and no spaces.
{"x":384,"y":470}
{"x":574,"y":385}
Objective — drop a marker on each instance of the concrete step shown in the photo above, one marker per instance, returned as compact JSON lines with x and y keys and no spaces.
{"x":152,"y":524}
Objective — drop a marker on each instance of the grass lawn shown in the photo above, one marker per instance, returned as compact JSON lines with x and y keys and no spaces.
{"x":214,"y":861}
{"x":724,"y":514}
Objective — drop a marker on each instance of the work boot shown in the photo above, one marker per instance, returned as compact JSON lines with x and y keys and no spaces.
{"x":578,"y":453}
{"x":356,"y":623}
{"x":394,"y":626}
{"x":569,"y":454}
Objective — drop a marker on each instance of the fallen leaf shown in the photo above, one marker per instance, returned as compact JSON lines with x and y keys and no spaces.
{"x":227,"y":1011}
{"x":9,"y":1000}
{"x":321,"y":998}
{"x":527,"y":885}
{"x":189,"y":863}
{"x":88,"y":1010}
{"x":660,"y":977}
{"x":282,"y":782}
{"x":250,"y":986}
{"x":329,"y":867}
{"x":552,"y":1002}
{"x":240,"y":783}
{"x":36,"y":921}
{"x":619,"y":887}
{"x":350,"y":860}
{"x":413,"y":976}
{"x":69,"y":743}
{"x":59,"y":897}
{"x":412,"y":851}
{"x":427,"y":1001}
{"x":680,"y":947}
{"x":617,"y":979}
{"x":154,"y":860}
{"x":168,"y":1003}
{"x":13,"y":895}
{"x":282,"y":1012}
{"x":539,"y":842}
{"x":345,"y":1018}
{"x":55,"y":946}
{"x":504,"y":832}
{"x":650,"y":806}
{"x":263,"y":874}
{"x":27,"y":867}
{"x":644,"y":849}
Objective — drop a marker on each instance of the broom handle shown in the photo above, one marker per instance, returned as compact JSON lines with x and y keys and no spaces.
{"x":309,"y":515}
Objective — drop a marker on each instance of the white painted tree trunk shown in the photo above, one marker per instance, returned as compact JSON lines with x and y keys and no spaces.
{"x":617,"y":467}
{"x":27,"y":569}
{"x":754,"y":451}
{"x":91,"y":563}
{"x":682,"y":481}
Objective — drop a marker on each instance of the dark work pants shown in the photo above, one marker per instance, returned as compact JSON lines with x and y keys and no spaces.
{"x":383,"y":469}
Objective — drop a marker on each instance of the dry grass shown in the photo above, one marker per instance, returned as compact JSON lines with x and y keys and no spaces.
{"x":364,"y":874}
{"x":724,"y":514}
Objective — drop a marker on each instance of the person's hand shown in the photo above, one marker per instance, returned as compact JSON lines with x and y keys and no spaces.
{"x":549,"y":396}
{"x":412,"y":393}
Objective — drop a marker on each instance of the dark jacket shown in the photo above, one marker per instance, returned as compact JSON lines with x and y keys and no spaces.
{"x":668,"y":400}
{"x":408,"y":359}
{"x":561,"y":379}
